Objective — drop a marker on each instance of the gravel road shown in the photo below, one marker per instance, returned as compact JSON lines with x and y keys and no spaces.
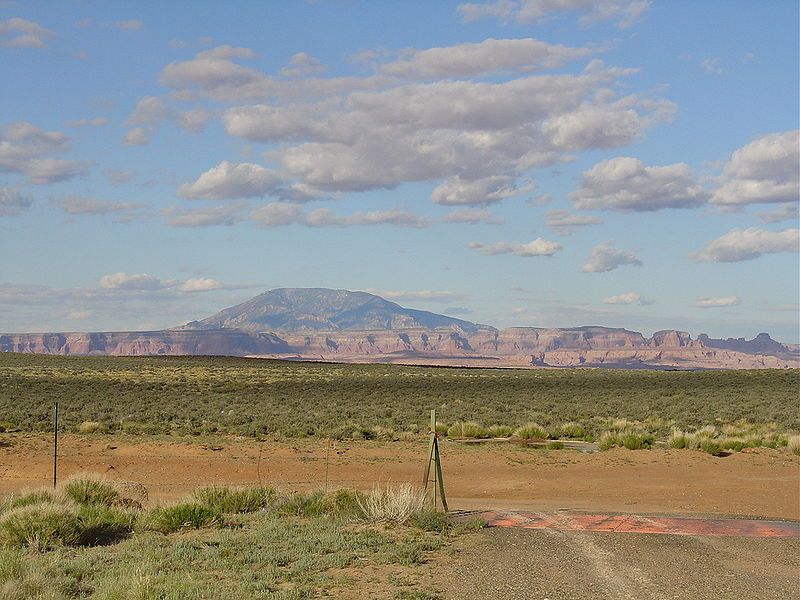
{"x":517,"y":564}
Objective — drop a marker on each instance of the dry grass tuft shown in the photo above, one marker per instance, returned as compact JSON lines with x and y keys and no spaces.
{"x":394,"y":505}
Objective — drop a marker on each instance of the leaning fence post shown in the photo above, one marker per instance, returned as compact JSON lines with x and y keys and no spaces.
{"x":434,"y":457}
{"x":55,"y":445}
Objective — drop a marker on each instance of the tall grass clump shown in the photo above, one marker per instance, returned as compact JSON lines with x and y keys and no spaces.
{"x":572,"y":430}
{"x":342,"y":503}
{"x":794,"y":444}
{"x":41,"y":526}
{"x":468,"y":429}
{"x":186,"y":515}
{"x":394,"y":505}
{"x":91,"y":427}
{"x":235,"y":500}
{"x":531,"y":431}
{"x":632,"y":440}
{"x":500,"y":431}
{"x":87,"y":489}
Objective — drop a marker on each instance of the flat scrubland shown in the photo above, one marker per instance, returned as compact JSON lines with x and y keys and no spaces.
{"x":215,"y":471}
{"x":93,"y":538}
{"x":710,"y":410}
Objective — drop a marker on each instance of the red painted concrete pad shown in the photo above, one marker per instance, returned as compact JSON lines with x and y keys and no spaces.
{"x":564,"y":521}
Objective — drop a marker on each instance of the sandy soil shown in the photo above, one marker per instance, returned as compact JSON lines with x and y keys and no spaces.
{"x":761,"y":483}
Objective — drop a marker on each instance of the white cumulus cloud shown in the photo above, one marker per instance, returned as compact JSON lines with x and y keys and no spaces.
{"x":626,"y":184}
{"x":763,"y":171}
{"x":709,"y":302}
{"x":232,"y":180}
{"x":626,"y":298}
{"x":605,"y":257}
{"x":746,"y":244}
{"x":537,"y":247}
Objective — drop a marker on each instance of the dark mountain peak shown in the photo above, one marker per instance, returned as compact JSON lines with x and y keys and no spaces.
{"x":322,"y":309}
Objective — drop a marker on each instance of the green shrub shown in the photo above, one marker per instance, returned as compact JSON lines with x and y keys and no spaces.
{"x":500,"y":431}
{"x":341,"y":503}
{"x":572,"y":430}
{"x":90,"y":489}
{"x":531,"y":431}
{"x":555,"y":445}
{"x":235,"y":500}
{"x":677,"y":439}
{"x":429,"y":519}
{"x":710,"y":446}
{"x":469,"y":429}
{"x":36,"y":497}
{"x":187,"y":515}
{"x":625,"y":439}
{"x":40,"y":526}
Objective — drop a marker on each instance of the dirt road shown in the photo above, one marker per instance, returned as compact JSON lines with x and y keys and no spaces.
{"x":519,"y":564}
{"x":762,"y":483}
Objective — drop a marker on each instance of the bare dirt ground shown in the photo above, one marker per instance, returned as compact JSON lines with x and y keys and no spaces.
{"x":761,"y":483}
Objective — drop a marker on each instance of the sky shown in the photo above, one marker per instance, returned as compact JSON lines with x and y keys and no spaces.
{"x":549,"y":163}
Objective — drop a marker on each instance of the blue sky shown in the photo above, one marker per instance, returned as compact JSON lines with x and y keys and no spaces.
{"x":523,"y":162}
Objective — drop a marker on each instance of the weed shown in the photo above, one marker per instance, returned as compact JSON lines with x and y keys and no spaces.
{"x":469,"y":429}
{"x":87,"y":489}
{"x":187,"y":515}
{"x":392,"y":504}
{"x":235,"y":500}
{"x":572,"y":430}
{"x":41,"y":526}
{"x":555,"y":445}
{"x":531,"y":431}
{"x":500,"y":431}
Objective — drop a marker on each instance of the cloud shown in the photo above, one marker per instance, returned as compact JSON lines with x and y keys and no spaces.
{"x":25,"y":149}
{"x":151,"y":111}
{"x":323,"y":217}
{"x":279,"y":214}
{"x":232,"y":180}
{"x":12,"y":202}
{"x":461,"y":191}
{"x":301,"y":64}
{"x":81,"y":205}
{"x":21,"y":33}
{"x":482,"y":58}
{"x":204,"y":217}
{"x":708,"y":302}
{"x":626,"y":298}
{"x":763,"y":171}
{"x":475,"y":138}
{"x":625,"y":184}
{"x":537,"y":247}
{"x":125,"y":281}
{"x":562,"y":222}
{"x":425,"y":295}
{"x":784,"y":212}
{"x":473,"y":216}
{"x":136,"y":137}
{"x":711,"y":65}
{"x":200,"y":284}
{"x":746,"y":244}
{"x":95,"y":122}
{"x":604,"y":257}
{"x":624,"y":12}
{"x":129,"y":25}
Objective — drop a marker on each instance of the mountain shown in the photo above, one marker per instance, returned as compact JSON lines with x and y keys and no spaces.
{"x":344,"y":326}
{"x":320,"y":309}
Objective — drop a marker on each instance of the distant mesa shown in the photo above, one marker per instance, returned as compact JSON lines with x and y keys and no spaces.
{"x":346,"y":326}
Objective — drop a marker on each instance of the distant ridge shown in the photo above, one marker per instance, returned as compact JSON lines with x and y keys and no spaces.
{"x":359,"y":327}
{"x":321,"y":309}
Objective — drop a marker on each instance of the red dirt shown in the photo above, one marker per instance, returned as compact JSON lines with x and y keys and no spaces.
{"x":762,"y":483}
